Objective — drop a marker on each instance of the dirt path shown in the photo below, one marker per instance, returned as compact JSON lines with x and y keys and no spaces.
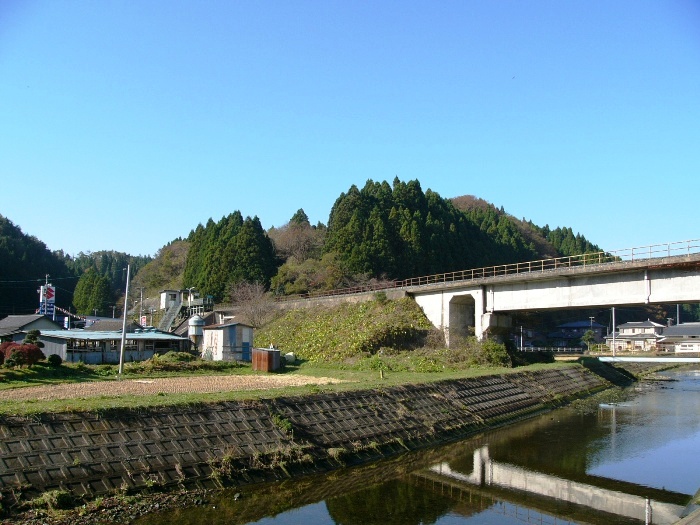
{"x":170,"y":385}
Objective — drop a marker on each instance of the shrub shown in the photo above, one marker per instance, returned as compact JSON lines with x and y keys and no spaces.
{"x":21,"y":354}
{"x":33,"y":353}
{"x":7,"y":348}
{"x":16,"y":358}
{"x":55,"y":499}
{"x":178,"y":357}
{"x":495,"y":354}
{"x":54,"y":360}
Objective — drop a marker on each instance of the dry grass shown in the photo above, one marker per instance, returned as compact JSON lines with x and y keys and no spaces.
{"x":155,"y":386}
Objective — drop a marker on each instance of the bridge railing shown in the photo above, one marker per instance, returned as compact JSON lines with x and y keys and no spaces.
{"x":587,"y":259}
{"x":553,"y":349}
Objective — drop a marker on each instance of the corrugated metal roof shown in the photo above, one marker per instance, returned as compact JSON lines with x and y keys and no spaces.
{"x":111,"y":335}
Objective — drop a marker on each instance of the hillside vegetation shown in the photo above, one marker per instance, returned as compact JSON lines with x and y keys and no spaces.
{"x":346,"y":331}
{"x":378,"y":335}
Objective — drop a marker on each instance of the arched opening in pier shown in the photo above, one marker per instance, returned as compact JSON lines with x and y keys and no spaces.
{"x":462,"y":317}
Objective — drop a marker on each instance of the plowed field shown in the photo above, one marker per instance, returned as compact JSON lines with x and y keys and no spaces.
{"x":171,"y":385}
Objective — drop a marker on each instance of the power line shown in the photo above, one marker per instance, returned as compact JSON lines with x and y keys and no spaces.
{"x":41,"y":279}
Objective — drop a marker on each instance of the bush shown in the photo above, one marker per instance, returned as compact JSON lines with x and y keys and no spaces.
{"x":177,"y":357}
{"x":16,"y":359}
{"x":7,"y":348}
{"x":21,"y":354}
{"x":55,"y":499}
{"x":54,"y":360}
{"x":479,"y":353}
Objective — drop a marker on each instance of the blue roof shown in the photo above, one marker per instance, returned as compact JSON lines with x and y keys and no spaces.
{"x":581,"y":324}
{"x":87,"y":335}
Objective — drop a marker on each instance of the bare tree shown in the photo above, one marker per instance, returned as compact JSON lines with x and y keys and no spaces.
{"x":298,"y":240}
{"x":254,"y":304}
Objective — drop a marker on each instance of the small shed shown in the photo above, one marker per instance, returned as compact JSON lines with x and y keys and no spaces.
{"x":170,"y":297}
{"x":227,"y":342}
{"x":266,"y":359}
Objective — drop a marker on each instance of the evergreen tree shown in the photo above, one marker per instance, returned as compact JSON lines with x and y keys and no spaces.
{"x":228,"y":252}
{"x":24,"y":263}
{"x":92,"y":293}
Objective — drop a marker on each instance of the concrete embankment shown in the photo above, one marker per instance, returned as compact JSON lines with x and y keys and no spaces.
{"x":249,"y":441}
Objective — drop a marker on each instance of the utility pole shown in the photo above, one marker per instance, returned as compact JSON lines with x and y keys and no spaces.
{"x":141,"y":305}
{"x":613,"y":328}
{"x":126,"y":298}
{"x":521,"y":338}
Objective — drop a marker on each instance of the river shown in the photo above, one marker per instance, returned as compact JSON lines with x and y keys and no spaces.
{"x":629,"y":462}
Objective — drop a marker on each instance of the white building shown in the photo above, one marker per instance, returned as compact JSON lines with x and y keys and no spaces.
{"x":637,"y":336}
{"x":682,"y":338}
{"x":227,"y":342}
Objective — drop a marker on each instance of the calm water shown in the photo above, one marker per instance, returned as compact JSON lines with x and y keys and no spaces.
{"x":628,"y":463}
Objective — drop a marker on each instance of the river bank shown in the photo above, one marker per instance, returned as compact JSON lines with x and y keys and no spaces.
{"x":178,"y":454}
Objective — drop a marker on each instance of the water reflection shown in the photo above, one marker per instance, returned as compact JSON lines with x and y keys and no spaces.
{"x":600,"y":467}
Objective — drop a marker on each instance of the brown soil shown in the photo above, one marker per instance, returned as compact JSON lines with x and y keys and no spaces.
{"x":170,"y":385}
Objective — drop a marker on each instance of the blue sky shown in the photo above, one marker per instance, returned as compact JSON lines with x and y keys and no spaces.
{"x":124,"y":124}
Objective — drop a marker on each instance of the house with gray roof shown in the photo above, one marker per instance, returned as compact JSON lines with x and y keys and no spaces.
{"x":15,"y":327}
{"x":682,"y":338}
{"x":636,"y":336}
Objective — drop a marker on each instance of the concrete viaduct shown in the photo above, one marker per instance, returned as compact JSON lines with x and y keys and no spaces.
{"x":483,"y":304}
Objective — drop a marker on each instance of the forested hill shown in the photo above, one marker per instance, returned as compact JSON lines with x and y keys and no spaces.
{"x":547,"y":243}
{"x":403,"y":232}
{"x":382,"y":231}
{"x":25,"y":262}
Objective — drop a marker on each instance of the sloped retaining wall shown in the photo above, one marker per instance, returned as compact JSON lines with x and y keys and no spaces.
{"x":206,"y":445}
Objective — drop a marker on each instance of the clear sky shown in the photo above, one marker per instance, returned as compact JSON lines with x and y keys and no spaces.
{"x":125,"y":124}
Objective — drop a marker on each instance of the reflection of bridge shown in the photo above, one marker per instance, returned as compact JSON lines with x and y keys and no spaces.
{"x":489,"y":473}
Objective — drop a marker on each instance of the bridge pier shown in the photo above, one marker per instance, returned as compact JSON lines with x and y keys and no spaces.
{"x":463,"y":313}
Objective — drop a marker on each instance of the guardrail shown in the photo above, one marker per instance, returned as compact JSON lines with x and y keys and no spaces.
{"x":553,"y":349}
{"x":587,"y":259}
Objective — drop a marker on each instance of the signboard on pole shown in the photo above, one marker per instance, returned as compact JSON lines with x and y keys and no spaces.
{"x":47,"y":300}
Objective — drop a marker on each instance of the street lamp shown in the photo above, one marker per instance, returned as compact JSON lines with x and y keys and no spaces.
{"x":189,"y":300}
